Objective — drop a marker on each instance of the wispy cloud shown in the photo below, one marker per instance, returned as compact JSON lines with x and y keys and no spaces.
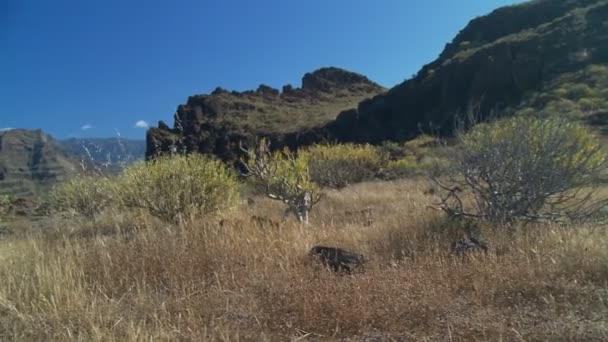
{"x":86,"y":127}
{"x":142,"y":124}
{"x":5,"y":129}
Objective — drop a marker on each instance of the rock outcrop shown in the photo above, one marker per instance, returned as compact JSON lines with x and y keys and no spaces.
{"x":215,"y":123}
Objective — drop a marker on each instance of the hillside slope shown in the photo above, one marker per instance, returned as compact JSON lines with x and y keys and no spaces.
{"x":540,"y":56}
{"x":29,"y":160}
{"x":506,"y":61}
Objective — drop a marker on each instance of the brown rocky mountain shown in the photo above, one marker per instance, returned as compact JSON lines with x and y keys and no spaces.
{"x":30,"y":160}
{"x":540,"y":56}
{"x":215,"y":123}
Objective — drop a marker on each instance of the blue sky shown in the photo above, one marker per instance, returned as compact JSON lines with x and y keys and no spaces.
{"x":89,"y":68}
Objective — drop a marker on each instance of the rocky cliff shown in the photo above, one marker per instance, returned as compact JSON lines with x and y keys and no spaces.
{"x":535,"y":56}
{"x":215,"y":123}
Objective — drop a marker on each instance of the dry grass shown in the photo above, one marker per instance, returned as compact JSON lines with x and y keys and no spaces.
{"x":135,"y":278}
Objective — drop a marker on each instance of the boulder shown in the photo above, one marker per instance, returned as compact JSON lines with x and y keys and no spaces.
{"x":337,"y":259}
{"x":468,"y":246}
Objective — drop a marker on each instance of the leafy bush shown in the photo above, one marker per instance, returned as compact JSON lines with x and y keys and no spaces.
{"x":83,"y":195}
{"x":589,"y":105}
{"x":5,"y":200}
{"x":336,"y":166}
{"x":526,"y":168}
{"x":170,"y":187}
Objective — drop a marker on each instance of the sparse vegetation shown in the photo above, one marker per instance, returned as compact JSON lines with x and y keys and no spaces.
{"x":206,"y":281}
{"x":166,"y":251}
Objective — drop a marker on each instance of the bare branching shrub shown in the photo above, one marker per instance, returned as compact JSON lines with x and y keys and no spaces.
{"x":178,"y":186}
{"x":84,"y":195}
{"x":283,"y":177}
{"x":525,"y":169}
{"x":336,"y":166}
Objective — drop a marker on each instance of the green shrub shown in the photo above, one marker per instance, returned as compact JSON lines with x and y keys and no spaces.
{"x":336,"y":166}
{"x":84,"y":195}
{"x":579,"y":91}
{"x":5,"y":200}
{"x":588,"y":104}
{"x":413,"y":166}
{"x":178,"y":186}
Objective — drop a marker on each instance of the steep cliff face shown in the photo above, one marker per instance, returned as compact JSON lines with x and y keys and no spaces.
{"x":31,"y":159}
{"x":215,"y":123}
{"x":518,"y":58}
{"x":497,"y":63}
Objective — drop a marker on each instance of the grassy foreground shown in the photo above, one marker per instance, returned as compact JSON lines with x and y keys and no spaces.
{"x":129,"y":277}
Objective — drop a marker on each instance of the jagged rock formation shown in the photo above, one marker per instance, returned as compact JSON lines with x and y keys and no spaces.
{"x":30,"y":160}
{"x":215,"y":123}
{"x":516,"y":59}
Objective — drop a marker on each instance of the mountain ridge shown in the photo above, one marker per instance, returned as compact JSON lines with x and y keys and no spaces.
{"x":500,"y":63}
{"x":32,"y":161}
{"x":215,"y":123}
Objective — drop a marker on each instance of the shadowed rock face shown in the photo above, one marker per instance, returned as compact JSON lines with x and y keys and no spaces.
{"x":337,"y":259}
{"x":494,"y":64}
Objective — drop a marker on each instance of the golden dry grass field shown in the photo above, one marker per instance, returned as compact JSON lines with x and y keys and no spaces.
{"x":128,"y":277}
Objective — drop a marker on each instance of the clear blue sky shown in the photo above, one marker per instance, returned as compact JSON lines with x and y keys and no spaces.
{"x":87,"y":68}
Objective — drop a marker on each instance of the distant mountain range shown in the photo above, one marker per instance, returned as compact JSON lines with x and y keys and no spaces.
{"x":31,"y":161}
{"x":106,"y":151}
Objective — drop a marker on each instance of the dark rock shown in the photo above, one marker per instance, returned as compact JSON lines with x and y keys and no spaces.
{"x":267,"y":90}
{"x":337,"y":259}
{"x":329,"y":79}
{"x":163,"y":125}
{"x":219,"y":90}
{"x":468,"y":246}
{"x":287,"y":89}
